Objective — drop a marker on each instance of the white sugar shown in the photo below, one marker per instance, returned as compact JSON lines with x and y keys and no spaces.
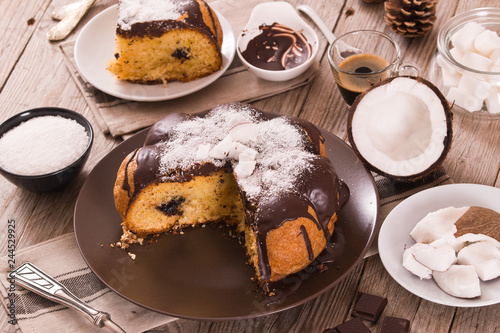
{"x":42,"y":145}
{"x":135,"y":11}
{"x":281,"y":154}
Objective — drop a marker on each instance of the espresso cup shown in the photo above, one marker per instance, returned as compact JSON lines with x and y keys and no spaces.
{"x":362,"y":58}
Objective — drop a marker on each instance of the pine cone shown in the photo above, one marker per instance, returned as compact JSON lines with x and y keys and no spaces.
{"x":410,"y":18}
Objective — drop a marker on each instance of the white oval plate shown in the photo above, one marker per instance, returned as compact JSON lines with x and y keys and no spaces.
{"x":395,"y":235}
{"x":95,"y":46}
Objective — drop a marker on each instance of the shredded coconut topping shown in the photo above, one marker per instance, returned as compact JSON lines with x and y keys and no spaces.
{"x":134,"y":11}
{"x":281,"y":154}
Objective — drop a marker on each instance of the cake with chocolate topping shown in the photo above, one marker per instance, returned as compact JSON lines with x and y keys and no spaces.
{"x":269,"y":177}
{"x":166,"y":40}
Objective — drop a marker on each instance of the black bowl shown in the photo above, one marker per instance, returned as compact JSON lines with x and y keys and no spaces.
{"x":57,"y":179}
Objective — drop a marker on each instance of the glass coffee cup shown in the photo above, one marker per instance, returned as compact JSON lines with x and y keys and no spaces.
{"x":362,"y":58}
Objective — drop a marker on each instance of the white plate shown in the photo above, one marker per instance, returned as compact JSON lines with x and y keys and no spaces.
{"x":95,"y":46}
{"x":395,"y":235}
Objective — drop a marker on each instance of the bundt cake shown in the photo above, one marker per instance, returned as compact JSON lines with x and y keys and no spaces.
{"x":269,"y":177}
{"x":166,"y":40}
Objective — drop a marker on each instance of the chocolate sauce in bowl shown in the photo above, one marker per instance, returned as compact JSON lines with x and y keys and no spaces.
{"x":277,"y":47}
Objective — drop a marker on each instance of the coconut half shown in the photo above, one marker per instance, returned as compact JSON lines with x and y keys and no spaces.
{"x":401,"y":127}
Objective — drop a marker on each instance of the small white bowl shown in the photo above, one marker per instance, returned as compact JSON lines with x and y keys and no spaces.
{"x":283,"y":13}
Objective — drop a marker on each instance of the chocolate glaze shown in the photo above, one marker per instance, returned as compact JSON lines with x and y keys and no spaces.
{"x":193,"y":19}
{"x":162,"y":129}
{"x":313,"y":134}
{"x":318,"y":187}
{"x":277,"y":48}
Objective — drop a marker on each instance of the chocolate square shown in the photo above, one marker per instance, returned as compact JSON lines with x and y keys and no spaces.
{"x":395,"y":325}
{"x":355,"y":325}
{"x":369,"y":307}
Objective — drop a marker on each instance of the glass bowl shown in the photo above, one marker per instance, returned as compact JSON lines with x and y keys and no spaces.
{"x":474,"y":91}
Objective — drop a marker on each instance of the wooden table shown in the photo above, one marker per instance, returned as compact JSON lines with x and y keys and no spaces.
{"x":33,"y":74}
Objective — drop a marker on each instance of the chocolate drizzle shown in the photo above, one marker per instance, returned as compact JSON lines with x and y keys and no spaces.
{"x":277,"y":47}
{"x":126,"y":185}
{"x":305,"y":235}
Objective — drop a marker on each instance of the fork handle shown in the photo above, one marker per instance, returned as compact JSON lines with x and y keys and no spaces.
{"x":32,"y":278}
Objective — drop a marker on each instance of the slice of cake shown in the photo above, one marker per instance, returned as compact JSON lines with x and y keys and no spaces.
{"x":166,"y":40}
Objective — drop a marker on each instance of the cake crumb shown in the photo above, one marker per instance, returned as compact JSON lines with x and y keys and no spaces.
{"x":127,"y":238}
{"x":132,"y":255}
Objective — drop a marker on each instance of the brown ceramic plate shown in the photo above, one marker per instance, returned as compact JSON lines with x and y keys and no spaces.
{"x":202,"y":274}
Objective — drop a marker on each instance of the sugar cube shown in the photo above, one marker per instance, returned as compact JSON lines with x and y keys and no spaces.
{"x":450,"y":78}
{"x":486,"y":42}
{"x":495,"y":57}
{"x":477,"y":88}
{"x":476,"y":61}
{"x":464,"y":100}
{"x":463,"y":39}
{"x":457,"y":54}
{"x":492,"y":101}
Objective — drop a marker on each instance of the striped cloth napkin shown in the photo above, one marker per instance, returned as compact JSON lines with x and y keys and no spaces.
{"x":61,"y":259}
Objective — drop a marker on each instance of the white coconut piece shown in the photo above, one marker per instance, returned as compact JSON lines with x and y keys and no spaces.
{"x":464,"y":99}
{"x":202,"y":152}
{"x":437,"y":224}
{"x":238,"y":148}
{"x":222,"y":149}
{"x":459,"y":281}
{"x":478,"y":88}
{"x":436,"y":257}
{"x":464,"y":38}
{"x":484,"y":256}
{"x":245,"y":166}
{"x":486,"y":42}
{"x":476,"y":61}
{"x":412,"y":265}
{"x":399,"y":127}
{"x":468,"y":239}
{"x":245,"y":133}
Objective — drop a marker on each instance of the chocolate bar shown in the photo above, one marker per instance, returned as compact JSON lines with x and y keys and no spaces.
{"x":369,"y":307}
{"x":355,"y":325}
{"x":395,"y":325}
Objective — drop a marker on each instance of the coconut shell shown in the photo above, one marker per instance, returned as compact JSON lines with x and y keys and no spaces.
{"x":479,"y":220}
{"x":447,"y":138}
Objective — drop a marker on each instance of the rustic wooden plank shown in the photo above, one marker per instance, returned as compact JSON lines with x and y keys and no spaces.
{"x":19,"y":20}
{"x":483,"y":319}
{"x":474,"y":141}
